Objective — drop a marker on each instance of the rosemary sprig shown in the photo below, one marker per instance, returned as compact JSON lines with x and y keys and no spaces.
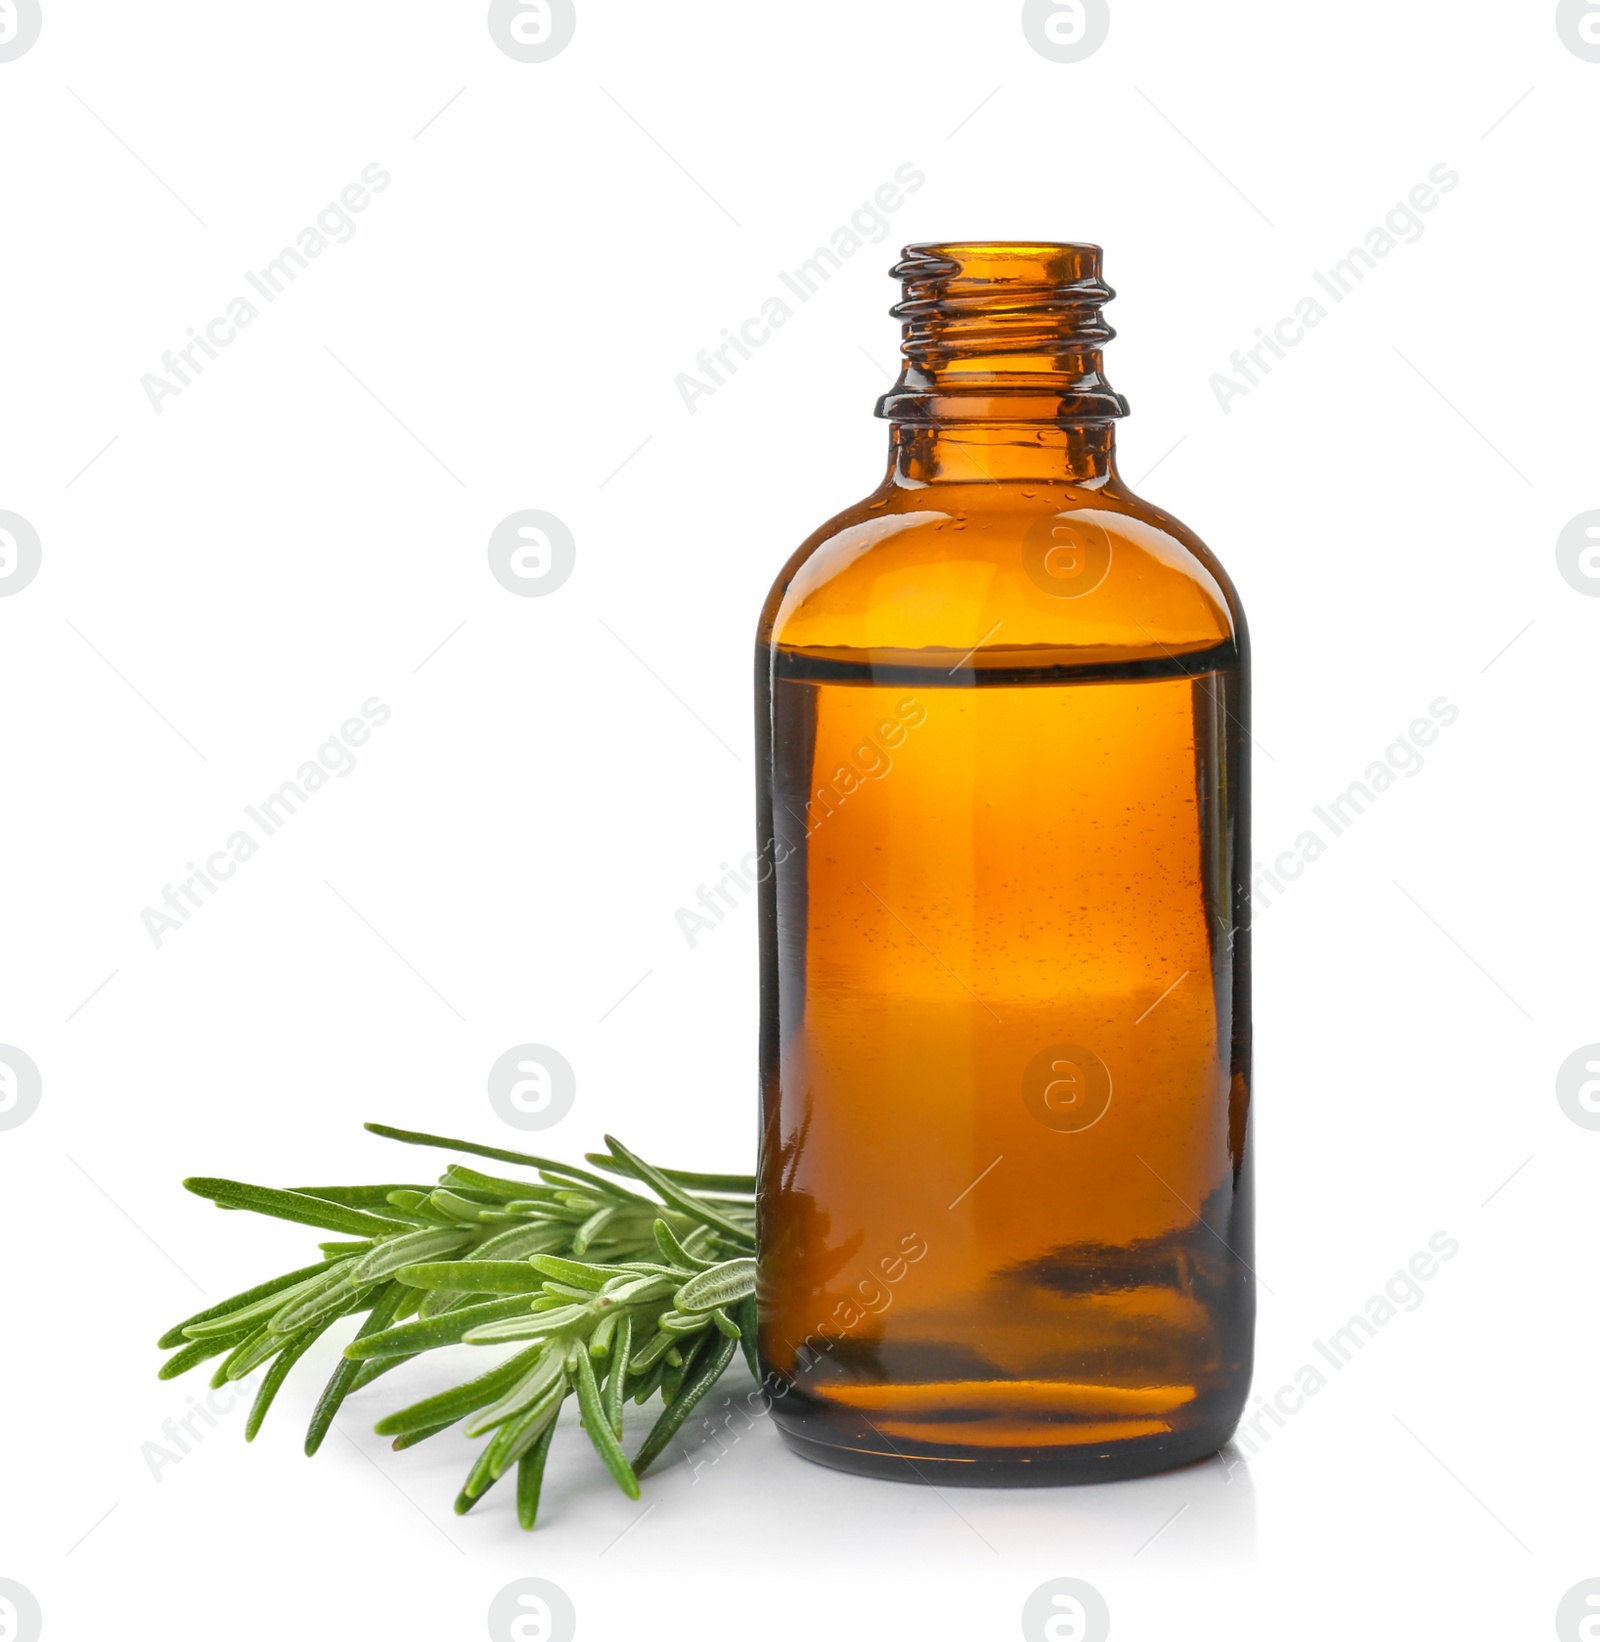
{"x":607,"y":1293}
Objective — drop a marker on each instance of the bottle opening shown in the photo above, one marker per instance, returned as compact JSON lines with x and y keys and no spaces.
{"x":1002,"y":331}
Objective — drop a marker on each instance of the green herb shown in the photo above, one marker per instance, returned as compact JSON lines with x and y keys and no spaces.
{"x":609,"y":1293}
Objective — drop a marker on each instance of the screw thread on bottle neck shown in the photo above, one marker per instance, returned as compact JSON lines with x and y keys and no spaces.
{"x":1002,"y":333}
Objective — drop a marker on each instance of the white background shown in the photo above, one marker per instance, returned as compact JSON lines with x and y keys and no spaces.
{"x":305,"y":526}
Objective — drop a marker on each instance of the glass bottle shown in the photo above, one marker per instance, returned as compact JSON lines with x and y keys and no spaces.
{"x":1005,"y":1213}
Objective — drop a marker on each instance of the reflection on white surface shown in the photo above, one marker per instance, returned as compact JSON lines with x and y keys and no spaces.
{"x":730,"y":1476}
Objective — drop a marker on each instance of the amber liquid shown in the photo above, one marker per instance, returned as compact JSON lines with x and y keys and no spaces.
{"x":1004,"y":1222}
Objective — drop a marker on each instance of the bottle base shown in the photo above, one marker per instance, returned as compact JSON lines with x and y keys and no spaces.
{"x":875,"y":1456}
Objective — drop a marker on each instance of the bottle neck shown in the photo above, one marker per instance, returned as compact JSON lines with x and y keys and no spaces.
{"x":931,"y":453}
{"x":1001,"y":377}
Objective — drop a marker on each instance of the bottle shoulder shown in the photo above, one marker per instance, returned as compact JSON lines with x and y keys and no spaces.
{"x":1088,"y":571}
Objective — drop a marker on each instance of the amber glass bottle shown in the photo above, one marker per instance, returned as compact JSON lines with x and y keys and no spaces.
{"x":1005,"y":1223}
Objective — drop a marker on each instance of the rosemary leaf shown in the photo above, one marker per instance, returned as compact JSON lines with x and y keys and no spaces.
{"x":679,"y":1322}
{"x":617,"y":1380}
{"x":533,"y":1387}
{"x":342,"y":1382}
{"x":723,"y":1285}
{"x":460,"y":1178}
{"x":412,"y":1438}
{"x":517,"y":1436}
{"x":651,"y":1352}
{"x":292,"y":1352}
{"x":359,"y":1197}
{"x":416,"y":1208}
{"x":600,"y":1339}
{"x":641,"y":1290}
{"x":599,"y":1429}
{"x":592,"y":1228}
{"x":462,"y":1210}
{"x":424,"y":1334}
{"x":528,"y":1327}
{"x":436,"y":1302}
{"x":681,"y":1406}
{"x":227,"y":1370}
{"x":175,"y":1336}
{"x":530,"y":1476}
{"x":564,"y":1292}
{"x":449,"y":1406}
{"x":268,"y":1306}
{"x":743,"y":1184}
{"x":682,"y":1200}
{"x":746,"y":1315}
{"x":576,"y":1272}
{"x":413,"y":1137}
{"x":650,"y":1384}
{"x":373,"y":1368}
{"x":196,"y":1352}
{"x":476,"y":1276}
{"x":410,"y":1304}
{"x":331,"y":1293}
{"x":518,"y":1242}
{"x":308,"y":1211}
{"x":673,"y":1252}
{"x":480,"y":1479}
{"x":406,"y":1250}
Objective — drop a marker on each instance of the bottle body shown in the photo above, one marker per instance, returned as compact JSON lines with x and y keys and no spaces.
{"x":1005,"y":1195}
